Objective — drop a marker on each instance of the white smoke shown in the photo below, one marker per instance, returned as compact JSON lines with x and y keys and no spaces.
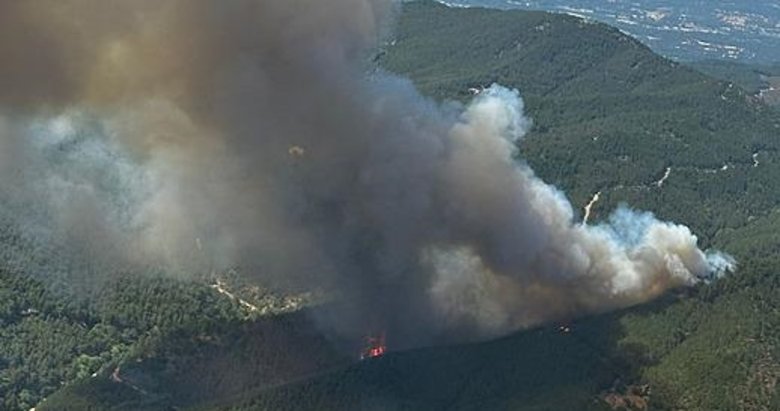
{"x":572,"y":268}
{"x":191,"y":136}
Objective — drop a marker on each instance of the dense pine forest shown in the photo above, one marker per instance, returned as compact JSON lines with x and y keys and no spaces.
{"x":609,"y":117}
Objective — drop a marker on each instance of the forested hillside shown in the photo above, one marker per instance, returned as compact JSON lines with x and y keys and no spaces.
{"x":610,"y":117}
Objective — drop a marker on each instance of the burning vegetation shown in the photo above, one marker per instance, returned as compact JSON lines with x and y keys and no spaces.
{"x":376,"y":346}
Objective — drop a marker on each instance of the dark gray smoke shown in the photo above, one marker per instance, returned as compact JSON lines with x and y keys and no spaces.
{"x":200,"y":135}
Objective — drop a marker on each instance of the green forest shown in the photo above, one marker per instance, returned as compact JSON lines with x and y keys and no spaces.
{"x":609,"y":116}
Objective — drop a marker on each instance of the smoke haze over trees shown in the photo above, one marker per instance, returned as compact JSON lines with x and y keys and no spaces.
{"x":191,"y":136}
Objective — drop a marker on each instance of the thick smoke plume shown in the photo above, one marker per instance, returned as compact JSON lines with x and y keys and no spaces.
{"x":198,"y":135}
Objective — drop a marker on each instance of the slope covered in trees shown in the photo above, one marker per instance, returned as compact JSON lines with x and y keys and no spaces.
{"x":609,"y":116}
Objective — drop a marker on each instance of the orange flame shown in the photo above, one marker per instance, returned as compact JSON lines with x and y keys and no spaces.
{"x":375,"y":347}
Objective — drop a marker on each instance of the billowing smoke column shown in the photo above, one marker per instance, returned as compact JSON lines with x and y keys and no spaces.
{"x":198,"y":135}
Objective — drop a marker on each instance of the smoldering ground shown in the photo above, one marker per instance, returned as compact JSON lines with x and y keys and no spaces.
{"x":195,"y":135}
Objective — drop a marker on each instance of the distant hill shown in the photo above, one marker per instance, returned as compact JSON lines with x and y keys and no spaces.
{"x":610,"y":116}
{"x":746,"y":31}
